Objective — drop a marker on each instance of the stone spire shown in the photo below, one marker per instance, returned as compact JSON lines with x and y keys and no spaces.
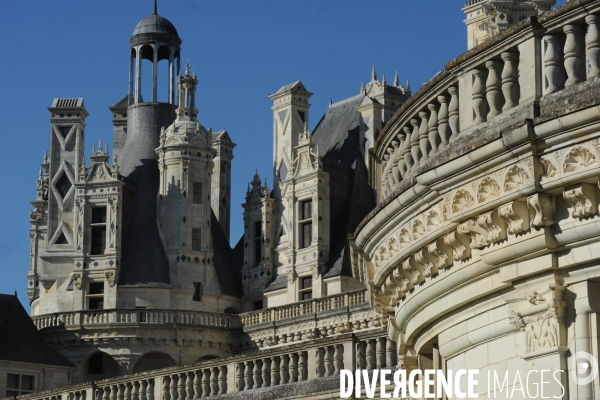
{"x":396,"y":80}
{"x":374,"y":74}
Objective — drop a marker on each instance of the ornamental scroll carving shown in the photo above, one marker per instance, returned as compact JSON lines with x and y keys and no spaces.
{"x":541,"y":322}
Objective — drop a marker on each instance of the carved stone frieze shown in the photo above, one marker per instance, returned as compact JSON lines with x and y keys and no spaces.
{"x":460,"y":247}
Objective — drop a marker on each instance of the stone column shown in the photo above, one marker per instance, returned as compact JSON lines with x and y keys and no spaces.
{"x":138,"y":75}
{"x":510,"y":79}
{"x":593,"y":46}
{"x":154,"y":73}
{"x":553,"y":64}
{"x":575,"y":54}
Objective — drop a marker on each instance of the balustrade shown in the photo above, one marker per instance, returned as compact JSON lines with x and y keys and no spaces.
{"x":433,"y":121}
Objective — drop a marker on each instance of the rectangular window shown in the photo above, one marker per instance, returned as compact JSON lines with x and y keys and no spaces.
{"x":19,"y":384}
{"x":98,"y":225}
{"x":197,"y":195}
{"x":258,"y":305}
{"x":305,"y":292}
{"x":257,"y":243}
{"x":196,"y":239}
{"x":305,"y":224}
{"x":95,"y":296}
{"x":197,"y":291}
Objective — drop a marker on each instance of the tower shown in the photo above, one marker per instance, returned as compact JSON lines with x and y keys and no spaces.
{"x":155,"y":39}
{"x":221,"y":179}
{"x":184,"y":208}
{"x":489,"y":17}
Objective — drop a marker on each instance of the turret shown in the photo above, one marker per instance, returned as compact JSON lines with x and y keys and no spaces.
{"x":486,"y":18}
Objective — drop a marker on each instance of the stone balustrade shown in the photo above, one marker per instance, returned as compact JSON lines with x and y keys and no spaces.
{"x":274,"y":368}
{"x":538,"y":57}
{"x":137,"y":317}
{"x":306,"y":307}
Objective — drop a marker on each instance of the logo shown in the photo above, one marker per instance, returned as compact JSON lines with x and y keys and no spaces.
{"x":584,"y":368}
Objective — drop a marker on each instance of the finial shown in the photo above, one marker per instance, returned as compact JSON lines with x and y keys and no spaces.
{"x":106,"y":148}
{"x":155,"y":11}
{"x":408,"y":86}
{"x":383,"y":80}
{"x":396,"y":80}
{"x":362,"y":87}
{"x":93,"y":148}
{"x":187,"y":69}
{"x":41,"y":173}
{"x":374,"y":74}
{"x":100,"y":145}
{"x":306,"y":127}
{"x":194,"y":74}
{"x":330,"y":101}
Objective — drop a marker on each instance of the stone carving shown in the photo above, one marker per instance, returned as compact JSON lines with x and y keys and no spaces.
{"x":541,"y":207}
{"x":517,"y":216}
{"x":593,"y":45}
{"x":462,"y":200}
{"x":487,"y":189}
{"x":515,"y":177}
{"x":111,"y":278}
{"x":550,"y":170}
{"x":416,"y":277}
{"x":579,"y":158}
{"x":460,"y":250}
{"x":494,"y":88}
{"x":583,"y":200}
{"x":482,"y":231}
{"x":428,"y":268}
{"x":78,"y":280}
{"x":553,"y":63}
{"x":442,"y":259}
{"x":291,"y":275}
{"x":574,"y":54}
{"x":510,"y":79}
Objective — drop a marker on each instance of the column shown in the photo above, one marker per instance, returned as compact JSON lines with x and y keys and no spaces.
{"x":138,"y":75}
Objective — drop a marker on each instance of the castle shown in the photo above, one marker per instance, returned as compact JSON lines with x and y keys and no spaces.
{"x":451,"y":228}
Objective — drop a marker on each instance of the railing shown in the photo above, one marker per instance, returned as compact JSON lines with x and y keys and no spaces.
{"x":128,"y":317}
{"x":265,"y":369}
{"x":512,"y":70}
{"x":197,"y":318}
{"x":307,"y":307}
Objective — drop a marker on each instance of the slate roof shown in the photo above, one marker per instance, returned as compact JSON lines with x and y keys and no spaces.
{"x":19,"y":338}
{"x":227,"y":261}
{"x":338,"y":132}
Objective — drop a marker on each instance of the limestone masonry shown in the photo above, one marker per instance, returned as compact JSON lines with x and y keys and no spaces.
{"x":453,"y":228}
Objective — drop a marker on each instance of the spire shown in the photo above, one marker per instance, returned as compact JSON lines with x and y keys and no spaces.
{"x":330,"y":101}
{"x":383,"y":80}
{"x":396,"y":80}
{"x":362,"y":87}
{"x":155,"y":12}
{"x":373,"y":74}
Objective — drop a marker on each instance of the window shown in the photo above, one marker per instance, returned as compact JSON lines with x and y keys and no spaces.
{"x":18,"y":384}
{"x":95,"y":296}
{"x":196,"y":239}
{"x":257,"y":244}
{"x":258,"y":305}
{"x":197,"y":291}
{"x":305,"y":292}
{"x":305,"y":224}
{"x":197,"y":195}
{"x":95,"y":365}
{"x":98,"y":225}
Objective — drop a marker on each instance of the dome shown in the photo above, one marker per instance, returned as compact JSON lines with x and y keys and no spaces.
{"x":155,"y":24}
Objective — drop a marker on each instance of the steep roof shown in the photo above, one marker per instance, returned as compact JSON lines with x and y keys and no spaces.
{"x":19,"y":338}
{"x":337,"y":134}
{"x":227,"y":261}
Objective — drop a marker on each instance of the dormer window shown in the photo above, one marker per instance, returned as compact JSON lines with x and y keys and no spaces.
{"x":305,"y":224}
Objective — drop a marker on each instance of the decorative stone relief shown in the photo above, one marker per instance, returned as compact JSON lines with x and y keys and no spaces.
{"x":111,"y":278}
{"x":78,"y":280}
{"x":291,"y":275}
{"x":582,"y":198}
{"x":441,"y":259}
{"x":428,"y":268}
{"x":482,"y":231}
{"x":460,"y":248}
{"x":541,"y":207}
{"x":516,"y":215}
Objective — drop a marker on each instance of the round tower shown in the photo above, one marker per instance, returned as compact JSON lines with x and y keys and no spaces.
{"x":143,"y":257}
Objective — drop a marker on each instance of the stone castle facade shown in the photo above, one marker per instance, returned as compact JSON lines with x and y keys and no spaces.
{"x":451,"y":228}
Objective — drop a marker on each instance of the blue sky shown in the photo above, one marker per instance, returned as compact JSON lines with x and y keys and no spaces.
{"x":241,"y":50}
